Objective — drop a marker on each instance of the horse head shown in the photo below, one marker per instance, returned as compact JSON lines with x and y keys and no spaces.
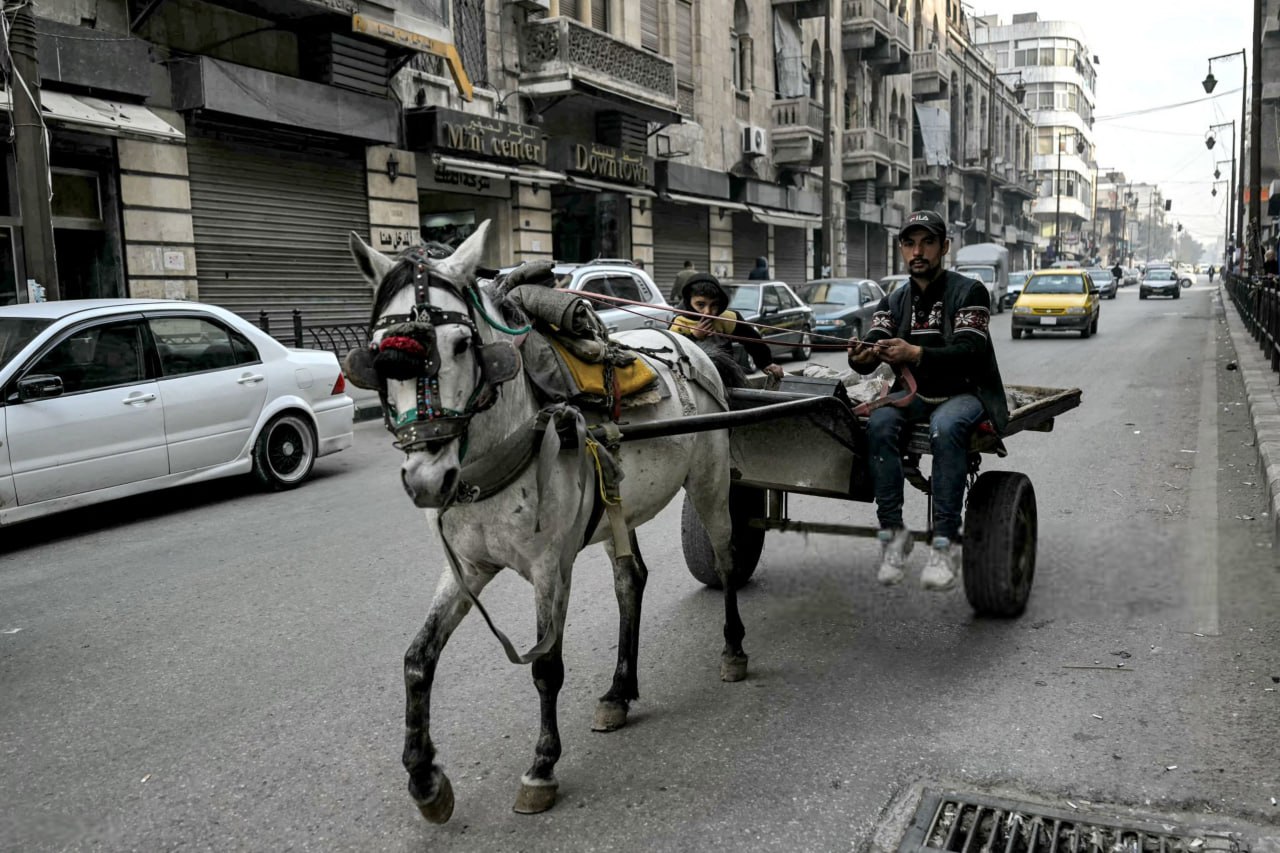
{"x":427,"y":359}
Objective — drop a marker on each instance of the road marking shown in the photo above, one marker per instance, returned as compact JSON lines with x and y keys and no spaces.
{"x":1202,"y":494}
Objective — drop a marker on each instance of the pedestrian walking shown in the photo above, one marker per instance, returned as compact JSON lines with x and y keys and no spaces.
{"x":761,"y":270}
{"x":682,"y":277}
{"x":1269,"y":264}
{"x":938,"y":325}
{"x":1211,"y":271}
{"x":1117,"y":272}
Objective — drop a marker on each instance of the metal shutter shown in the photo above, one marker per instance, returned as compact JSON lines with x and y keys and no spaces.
{"x":856,"y":262}
{"x":271,"y":230}
{"x":649,"y":25}
{"x":680,"y":233}
{"x":788,"y":256}
{"x":600,"y":15}
{"x":569,"y":8}
{"x":877,"y":252}
{"x":750,"y":241}
{"x":684,"y":42}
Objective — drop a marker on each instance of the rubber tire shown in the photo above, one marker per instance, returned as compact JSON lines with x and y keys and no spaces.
{"x":1086,"y":331}
{"x":802,"y":352}
{"x":999,"y":306}
{"x":748,"y":541}
{"x":1113,"y":295}
{"x":999,"y":553}
{"x":1093,"y":328}
{"x":284,"y":427}
{"x":1141,"y":295}
{"x":1177,"y":294}
{"x":1017,"y":333}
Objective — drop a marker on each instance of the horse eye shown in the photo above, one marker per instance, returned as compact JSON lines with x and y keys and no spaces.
{"x":460,"y":346}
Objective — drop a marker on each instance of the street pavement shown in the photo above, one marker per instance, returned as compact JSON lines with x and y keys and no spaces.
{"x":216,"y":668}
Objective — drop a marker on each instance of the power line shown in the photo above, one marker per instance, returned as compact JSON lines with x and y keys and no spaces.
{"x":1150,"y":110}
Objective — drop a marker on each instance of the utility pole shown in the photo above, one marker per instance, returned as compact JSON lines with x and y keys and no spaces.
{"x":1255,"y":147}
{"x":29,"y":149}
{"x":828,"y":252}
{"x":991,"y":133}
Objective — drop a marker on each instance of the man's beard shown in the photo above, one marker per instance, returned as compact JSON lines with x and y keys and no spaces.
{"x":922,"y":269}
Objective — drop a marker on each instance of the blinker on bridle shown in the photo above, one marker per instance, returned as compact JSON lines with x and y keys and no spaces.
{"x":408,"y":351}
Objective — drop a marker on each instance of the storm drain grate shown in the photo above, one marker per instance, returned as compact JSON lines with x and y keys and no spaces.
{"x":971,"y":824}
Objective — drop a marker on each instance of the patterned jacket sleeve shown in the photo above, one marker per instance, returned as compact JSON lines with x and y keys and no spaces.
{"x":882,"y":325}
{"x":965,"y":353}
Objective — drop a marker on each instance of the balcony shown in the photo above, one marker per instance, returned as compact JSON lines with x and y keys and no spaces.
{"x":930,"y":73}
{"x":924,"y":175}
{"x":797,"y":131}
{"x":1026,"y":185}
{"x":869,"y":155}
{"x":804,"y":8}
{"x":878,"y":36}
{"x":561,"y":57}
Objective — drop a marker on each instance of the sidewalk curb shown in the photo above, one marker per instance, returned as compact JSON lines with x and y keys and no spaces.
{"x":1260,"y":385}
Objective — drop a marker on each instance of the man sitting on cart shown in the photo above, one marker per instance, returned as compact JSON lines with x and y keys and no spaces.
{"x":938,"y":329}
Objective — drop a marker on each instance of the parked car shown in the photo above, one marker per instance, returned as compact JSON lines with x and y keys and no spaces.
{"x":842,"y":307}
{"x":1131,"y":276}
{"x":1104,"y":281}
{"x":1056,"y":300}
{"x":775,"y":304}
{"x":1159,"y":281}
{"x":618,"y":278}
{"x":1016,"y":282}
{"x":890,"y":283}
{"x":114,"y":397}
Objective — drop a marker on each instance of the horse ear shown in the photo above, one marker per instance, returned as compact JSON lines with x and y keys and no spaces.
{"x":372,"y":263}
{"x":460,"y":267}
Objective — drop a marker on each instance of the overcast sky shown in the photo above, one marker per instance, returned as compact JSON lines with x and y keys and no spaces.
{"x":1152,"y":54}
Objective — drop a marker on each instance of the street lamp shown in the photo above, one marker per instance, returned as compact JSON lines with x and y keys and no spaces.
{"x":1057,"y":179}
{"x":1019,"y":94}
{"x":1232,"y":188}
{"x":1209,"y":83}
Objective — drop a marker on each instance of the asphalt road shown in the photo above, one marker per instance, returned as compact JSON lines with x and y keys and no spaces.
{"x":219,"y":669}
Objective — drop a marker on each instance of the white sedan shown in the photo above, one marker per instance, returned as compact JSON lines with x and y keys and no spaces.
{"x":108,"y":398}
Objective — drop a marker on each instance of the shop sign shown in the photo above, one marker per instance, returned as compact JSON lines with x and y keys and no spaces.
{"x":489,"y":138}
{"x":445,"y":180}
{"x":605,"y":163}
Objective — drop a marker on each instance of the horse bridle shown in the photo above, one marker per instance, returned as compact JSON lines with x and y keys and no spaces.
{"x":408,"y":351}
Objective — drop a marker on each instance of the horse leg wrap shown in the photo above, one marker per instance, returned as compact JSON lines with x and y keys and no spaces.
{"x":618,"y":529}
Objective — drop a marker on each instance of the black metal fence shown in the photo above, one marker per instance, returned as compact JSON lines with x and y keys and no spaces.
{"x":1258,"y":301}
{"x":337,"y":339}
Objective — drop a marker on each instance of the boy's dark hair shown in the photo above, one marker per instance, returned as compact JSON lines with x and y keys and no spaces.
{"x":703,"y":287}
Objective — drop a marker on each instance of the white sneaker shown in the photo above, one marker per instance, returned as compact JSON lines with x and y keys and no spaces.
{"x":940,"y":572}
{"x":895,"y":545}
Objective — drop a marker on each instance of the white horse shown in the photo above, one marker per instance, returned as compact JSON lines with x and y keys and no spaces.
{"x":434,"y":320}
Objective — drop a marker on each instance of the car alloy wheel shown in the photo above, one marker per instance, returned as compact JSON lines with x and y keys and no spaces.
{"x":285,"y":452}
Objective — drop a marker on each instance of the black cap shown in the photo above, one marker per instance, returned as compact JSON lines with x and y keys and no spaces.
{"x":928,"y":220}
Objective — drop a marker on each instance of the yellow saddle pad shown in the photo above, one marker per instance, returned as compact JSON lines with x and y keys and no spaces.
{"x":631,"y":379}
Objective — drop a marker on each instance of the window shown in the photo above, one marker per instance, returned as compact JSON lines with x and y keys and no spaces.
{"x":684,"y":42}
{"x":772,"y":303}
{"x":649,"y":39}
{"x":600,"y":15}
{"x":471,"y":35}
{"x":621,"y":286}
{"x":96,"y":357}
{"x":195,"y":344}
{"x":785,"y":300}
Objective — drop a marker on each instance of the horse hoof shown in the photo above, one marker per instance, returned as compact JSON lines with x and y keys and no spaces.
{"x":733,"y":668}
{"x":440,"y":809}
{"x":535,"y":799}
{"x":610,"y":716}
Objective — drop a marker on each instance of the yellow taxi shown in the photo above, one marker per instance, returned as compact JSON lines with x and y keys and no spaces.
{"x":1057,"y":300}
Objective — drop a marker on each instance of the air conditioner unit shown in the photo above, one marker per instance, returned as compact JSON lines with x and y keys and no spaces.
{"x":755,"y":141}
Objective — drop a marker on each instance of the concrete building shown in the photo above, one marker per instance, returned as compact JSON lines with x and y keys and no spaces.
{"x":974,"y":139}
{"x":222,"y":150}
{"x":1058,"y":70}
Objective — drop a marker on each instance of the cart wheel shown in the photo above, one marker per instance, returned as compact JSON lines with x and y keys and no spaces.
{"x":744,"y":505}
{"x":1000,"y":543}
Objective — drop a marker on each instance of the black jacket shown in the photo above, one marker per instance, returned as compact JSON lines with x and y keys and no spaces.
{"x":968,"y":362}
{"x":761,"y":270}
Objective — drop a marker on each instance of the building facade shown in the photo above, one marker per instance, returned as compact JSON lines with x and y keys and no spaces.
{"x":1058,"y":70}
{"x":223,"y":151}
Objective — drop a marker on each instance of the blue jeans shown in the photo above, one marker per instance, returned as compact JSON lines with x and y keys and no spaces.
{"x":951,"y":425}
